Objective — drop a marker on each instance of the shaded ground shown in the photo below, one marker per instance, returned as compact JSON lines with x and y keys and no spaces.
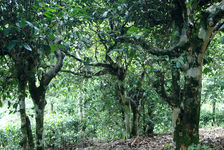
{"x":213,"y":138}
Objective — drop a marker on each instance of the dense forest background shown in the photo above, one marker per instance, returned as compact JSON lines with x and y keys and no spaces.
{"x":80,"y":70}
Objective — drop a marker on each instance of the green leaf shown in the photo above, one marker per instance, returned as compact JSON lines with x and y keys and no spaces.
{"x":87,"y":68}
{"x":23,"y":22}
{"x":30,"y":24}
{"x":132,"y":53}
{"x":222,"y":87}
{"x":154,"y":70}
{"x":189,"y":4}
{"x":178,"y":64}
{"x":6,"y":32}
{"x":0,"y":104}
{"x":26,"y":46}
{"x":111,"y":52}
{"x":15,"y":105}
{"x":51,"y":36}
{"x":46,"y":49}
{"x":137,"y":36}
{"x":222,"y":40}
{"x":206,"y":70}
{"x":105,"y":13}
{"x":53,"y":47}
{"x":12,"y":44}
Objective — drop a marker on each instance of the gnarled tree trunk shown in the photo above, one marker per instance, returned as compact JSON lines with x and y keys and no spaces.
{"x":38,"y":97}
{"x":27,"y":137}
{"x":39,"y":105}
{"x":27,"y":140}
{"x":186,"y":122}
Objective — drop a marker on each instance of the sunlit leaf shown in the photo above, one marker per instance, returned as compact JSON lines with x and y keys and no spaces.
{"x":30,"y":24}
{"x":189,"y":4}
{"x":26,"y":46}
{"x":178,"y":64}
{"x":87,"y":67}
{"x":105,"y":13}
{"x":137,"y":36}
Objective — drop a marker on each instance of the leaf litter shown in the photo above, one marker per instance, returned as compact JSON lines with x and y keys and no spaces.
{"x":214,"y":138}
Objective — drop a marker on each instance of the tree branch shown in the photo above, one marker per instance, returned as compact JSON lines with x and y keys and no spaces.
{"x":159,"y":87}
{"x":52,"y":73}
{"x":215,"y":13}
{"x":73,"y":56}
{"x":219,"y":26}
{"x":173,"y":51}
{"x":89,"y":75}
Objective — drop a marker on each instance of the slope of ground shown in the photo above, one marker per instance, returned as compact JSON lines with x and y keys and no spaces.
{"x":213,"y":138}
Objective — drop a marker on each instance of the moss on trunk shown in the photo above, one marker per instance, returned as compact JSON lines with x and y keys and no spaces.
{"x":39,"y":110}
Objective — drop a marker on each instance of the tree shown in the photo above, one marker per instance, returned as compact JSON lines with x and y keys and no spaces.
{"x":187,"y":29}
{"x":193,"y":26}
{"x":22,"y":40}
{"x":99,"y":49}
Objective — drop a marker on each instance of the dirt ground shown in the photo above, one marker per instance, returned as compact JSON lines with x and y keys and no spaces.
{"x":213,"y":138}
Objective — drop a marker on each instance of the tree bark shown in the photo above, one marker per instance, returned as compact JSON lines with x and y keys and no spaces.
{"x":134,"y":130}
{"x":39,"y":105}
{"x":213,"y":112}
{"x":126,"y":107}
{"x":186,"y":115}
{"x":127,"y":111}
{"x":22,"y":111}
{"x":27,"y":137}
{"x":150,"y":127}
{"x":30,"y":134}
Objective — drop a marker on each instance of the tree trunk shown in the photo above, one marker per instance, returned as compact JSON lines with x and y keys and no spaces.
{"x":39,"y":112}
{"x":144,"y":125}
{"x":134,"y":130}
{"x":213,"y":112}
{"x":186,"y":116}
{"x":22,"y":111}
{"x":125,"y":102}
{"x":127,"y":111}
{"x":150,"y":127}
{"x":27,"y":137}
{"x":30,"y":134}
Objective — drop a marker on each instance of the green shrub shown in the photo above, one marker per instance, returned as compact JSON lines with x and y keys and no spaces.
{"x":206,"y":118}
{"x":10,"y":137}
{"x":199,"y":147}
{"x":60,"y":131}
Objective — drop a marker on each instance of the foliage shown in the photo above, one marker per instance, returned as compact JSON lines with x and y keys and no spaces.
{"x":114,"y":77}
{"x":59,"y":131}
{"x":10,"y":137}
{"x":199,"y":147}
{"x":206,"y":117}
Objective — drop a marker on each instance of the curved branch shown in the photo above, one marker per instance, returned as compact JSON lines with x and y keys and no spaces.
{"x":52,"y":73}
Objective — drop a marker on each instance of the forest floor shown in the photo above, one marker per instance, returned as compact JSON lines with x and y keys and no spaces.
{"x":213,"y":138}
